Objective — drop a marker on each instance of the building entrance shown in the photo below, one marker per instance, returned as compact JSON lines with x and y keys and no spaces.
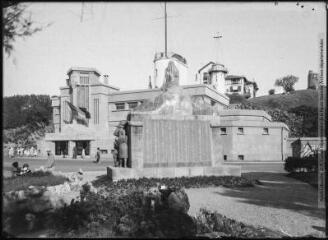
{"x":83,"y":145}
{"x":61,"y":148}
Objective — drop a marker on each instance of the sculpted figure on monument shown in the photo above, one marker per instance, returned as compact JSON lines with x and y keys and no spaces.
{"x":172,"y":100}
{"x":121,"y":145}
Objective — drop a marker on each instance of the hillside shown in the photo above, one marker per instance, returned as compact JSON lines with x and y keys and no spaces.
{"x":26,"y":119}
{"x":307,"y":97}
{"x":299,"y":110}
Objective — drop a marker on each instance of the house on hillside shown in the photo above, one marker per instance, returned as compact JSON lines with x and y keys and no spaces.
{"x":212,"y":74}
{"x":240,"y":85}
{"x":313,"y":82}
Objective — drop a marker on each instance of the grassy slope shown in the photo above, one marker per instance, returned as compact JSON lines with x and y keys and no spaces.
{"x":307,"y":97}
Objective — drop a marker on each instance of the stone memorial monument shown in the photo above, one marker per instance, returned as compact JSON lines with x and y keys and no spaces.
{"x":168,"y":141}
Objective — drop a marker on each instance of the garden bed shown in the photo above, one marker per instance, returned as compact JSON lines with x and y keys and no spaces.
{"x":185,"y":182}
{"x":33,"y":179}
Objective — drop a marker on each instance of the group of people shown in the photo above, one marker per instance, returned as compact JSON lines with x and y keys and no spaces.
{"x":18,"y":171}
{"x":22,"y":152}
{"x":21,"y":171}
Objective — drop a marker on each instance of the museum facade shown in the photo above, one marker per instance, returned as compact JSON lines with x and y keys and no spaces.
{"x":243,"y":135}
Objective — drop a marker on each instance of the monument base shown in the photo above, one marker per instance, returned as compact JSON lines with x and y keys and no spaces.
{"x":116,"y":173}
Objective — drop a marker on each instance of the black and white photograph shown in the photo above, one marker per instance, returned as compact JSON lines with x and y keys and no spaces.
{"x":196,"y":120}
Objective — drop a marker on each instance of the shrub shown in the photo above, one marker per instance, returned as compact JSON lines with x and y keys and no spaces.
{"x":297,"y":164}
{"x":271,"y":92}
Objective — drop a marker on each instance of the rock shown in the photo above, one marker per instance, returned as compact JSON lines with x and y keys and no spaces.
{"x":178,"y":201}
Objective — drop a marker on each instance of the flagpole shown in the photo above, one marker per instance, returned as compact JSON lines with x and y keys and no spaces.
{"x":165,"y":19}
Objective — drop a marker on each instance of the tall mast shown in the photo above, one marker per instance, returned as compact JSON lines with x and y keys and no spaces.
{"x":165,"y":17}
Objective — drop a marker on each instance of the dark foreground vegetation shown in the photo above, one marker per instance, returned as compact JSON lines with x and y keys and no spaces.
{"x":121,"y":209}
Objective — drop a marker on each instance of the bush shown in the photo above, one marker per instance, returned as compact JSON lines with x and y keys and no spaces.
{"x":271,"y":92}
{"x":305,"y":164}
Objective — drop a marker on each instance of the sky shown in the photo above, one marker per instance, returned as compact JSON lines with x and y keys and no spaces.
{"x":261,"y":41}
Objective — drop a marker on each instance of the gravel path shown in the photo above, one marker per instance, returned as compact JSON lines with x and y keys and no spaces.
{"x":281,"y":203}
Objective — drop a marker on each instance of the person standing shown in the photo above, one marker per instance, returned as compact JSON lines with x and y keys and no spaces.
{"x":11,"y":152}
{"x":123,"y":148}
{"x":74,"y":152}
{"x":51,"y":161}
{"x":97,"y":155}
{"x":114,"y":153}
{"x":83,"y":153}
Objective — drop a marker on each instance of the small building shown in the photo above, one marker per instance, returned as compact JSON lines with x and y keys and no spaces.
{"x":305,"y":146}
{"x":313,"y":80}
{"x":251,"y":135}
{"x":240,"y":85}
{"x":212,"y":74}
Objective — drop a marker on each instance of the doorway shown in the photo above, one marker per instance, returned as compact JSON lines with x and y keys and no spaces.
{"x":80,"y":145}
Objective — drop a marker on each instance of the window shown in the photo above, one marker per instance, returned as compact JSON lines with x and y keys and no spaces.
{"x":241,"y":157}
{"x":265,"y":131}
{"x":84,"y":79}
{"x":96,"y":111}
{"x":206,"y":78}
{"x":225,"y":157}
{"x":103,"y":151}
{"x":240,"y":130}
{"x":223,"y":131}
{"x":133,"y":105}
{"x":235,"y":81}
{"x":120,"y":106}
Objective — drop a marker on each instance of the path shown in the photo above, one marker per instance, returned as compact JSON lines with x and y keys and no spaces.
{"x":281,"y":203}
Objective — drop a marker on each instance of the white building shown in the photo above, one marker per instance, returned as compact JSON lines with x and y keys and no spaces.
{"x":212,"y":74}
{"x":240,"y":85}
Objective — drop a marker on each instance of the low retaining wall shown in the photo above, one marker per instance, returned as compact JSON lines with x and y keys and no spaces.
{"x":171,"y":172}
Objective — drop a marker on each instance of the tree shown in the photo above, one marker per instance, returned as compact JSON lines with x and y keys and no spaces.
{"x":271,"y":92}
{"x":287,"y":83}
{"x":17,"y":23}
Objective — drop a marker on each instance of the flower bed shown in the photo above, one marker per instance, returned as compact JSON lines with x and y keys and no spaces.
{"x":186,"y":182}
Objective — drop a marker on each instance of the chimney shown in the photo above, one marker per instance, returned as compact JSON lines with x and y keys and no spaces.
{"x":106,"y":79}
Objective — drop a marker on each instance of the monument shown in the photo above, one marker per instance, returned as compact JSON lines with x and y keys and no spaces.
{"x":167,"y":140}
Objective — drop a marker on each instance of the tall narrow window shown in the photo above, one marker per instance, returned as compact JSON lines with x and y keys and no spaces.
{"x":96,"y":111}
{"x":83,"y":92}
